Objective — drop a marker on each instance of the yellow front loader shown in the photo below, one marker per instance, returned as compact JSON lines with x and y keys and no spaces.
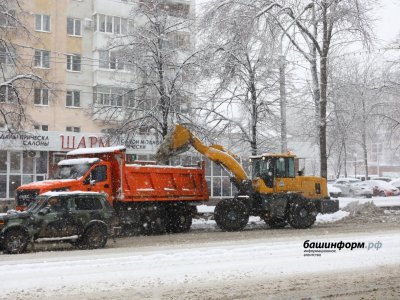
{"x":275,"y":193}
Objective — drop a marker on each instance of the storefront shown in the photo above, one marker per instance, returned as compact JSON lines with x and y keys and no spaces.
{"x":28,"y":157}
{"x":33,"y":156}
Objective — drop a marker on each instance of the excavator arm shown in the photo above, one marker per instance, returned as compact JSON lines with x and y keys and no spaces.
{"x":181,"y":138}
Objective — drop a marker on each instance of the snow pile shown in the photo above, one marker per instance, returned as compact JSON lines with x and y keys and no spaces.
{"x":367,"y":209}
{"x":330,"y":218}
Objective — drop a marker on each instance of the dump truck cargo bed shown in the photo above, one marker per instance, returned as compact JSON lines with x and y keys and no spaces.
{"x":164,"y":183}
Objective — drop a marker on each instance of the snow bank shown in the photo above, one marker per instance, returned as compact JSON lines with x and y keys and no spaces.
{"x":330,"y":218}
{"x":362,"y":209}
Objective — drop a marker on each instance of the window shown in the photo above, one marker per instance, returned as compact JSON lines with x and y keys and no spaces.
{"x":73,"y":62}
{"x":74,"y":27}
{"x":7,"y":94}
{"x":42,"y":23}
{"x":73,"y":99}
{"x":179,"y":39}
{"x":179,"y":10}
{"x":7,"y":55}
{"x":99,"y":174}
{"x":41,"y":127}
{"x":108,"y":60}
{"x":280,"y":167}
{"x":109,"y":96}
{"x":73,"y":129}
{"x":41,"y":97}
{"x":42,"y":59}
{"x":110,"y":24}
{"x":87,"y":203}
{"x":7,"y":18}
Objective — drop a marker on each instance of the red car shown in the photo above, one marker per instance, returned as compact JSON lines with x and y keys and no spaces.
{"x":382,"y":188}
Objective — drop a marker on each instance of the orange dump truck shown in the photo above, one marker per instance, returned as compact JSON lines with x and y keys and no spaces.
{"x":148,"y":198}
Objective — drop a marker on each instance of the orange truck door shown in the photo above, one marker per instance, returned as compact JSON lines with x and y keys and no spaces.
{"x":99,"y":179}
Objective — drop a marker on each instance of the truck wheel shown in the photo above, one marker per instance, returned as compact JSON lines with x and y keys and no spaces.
{"x":15,"y":241}
{"x":302,"y":213}
{"x":153,"y":222}
{"x":94,"y":237}
{"x":231,"y":215}
{"x":179,"y":220}
{"x":276,"y":223}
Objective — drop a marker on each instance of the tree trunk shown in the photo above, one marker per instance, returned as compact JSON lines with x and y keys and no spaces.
{"x":254,"y":114}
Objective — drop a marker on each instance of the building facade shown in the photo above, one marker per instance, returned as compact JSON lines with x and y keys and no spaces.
{"x":68,"y":48}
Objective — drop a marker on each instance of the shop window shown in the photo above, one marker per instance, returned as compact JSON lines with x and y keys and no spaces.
{"x":41,"y":163}
{"x":216,"y":186}
{"x":216,"y":169}
{"x":28,"y":161}
{"x":28,"y":179}
{"x":15,"y":162}
{"x":3,"y":186}
{"x":14,"y":183}
{"x":3,"y":161}
{"x":226,"y":186}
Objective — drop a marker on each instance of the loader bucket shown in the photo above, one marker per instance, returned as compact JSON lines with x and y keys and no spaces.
{"x":177,"y":141}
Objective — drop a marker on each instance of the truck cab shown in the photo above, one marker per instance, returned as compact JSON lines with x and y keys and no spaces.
{"x":99,"y":171}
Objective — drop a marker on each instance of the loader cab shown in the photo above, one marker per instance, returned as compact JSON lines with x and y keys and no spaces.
{"x":272,"y":168}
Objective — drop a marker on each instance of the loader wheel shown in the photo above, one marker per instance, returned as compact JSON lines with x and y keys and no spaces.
{"x":302,"y":213}
{"x":15,"y":241}
{"x":231,"y":215}
{"x":179,"y":220}
{"x":276,"y":223}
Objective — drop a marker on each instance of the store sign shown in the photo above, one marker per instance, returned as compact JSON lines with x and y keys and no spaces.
{"x":70,"y":142}
{"x":147,"y":143}
{"x":66,"y":141}
{"x":24,"y":140}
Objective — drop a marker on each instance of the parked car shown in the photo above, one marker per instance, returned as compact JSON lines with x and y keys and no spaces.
{"x":395,"y":182}
{"x":382,"y":188}
{"x":84,"y":219}
{"x":360,"y":189}
{"x":334,"y":191}
{"x":386,"y":179}
{"x":344,"y":185}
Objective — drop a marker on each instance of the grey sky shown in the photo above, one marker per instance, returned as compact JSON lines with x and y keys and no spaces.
{"x":388,"y":24}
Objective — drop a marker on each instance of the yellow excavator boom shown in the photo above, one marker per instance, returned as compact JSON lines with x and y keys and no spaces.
{"x":181,"y":138}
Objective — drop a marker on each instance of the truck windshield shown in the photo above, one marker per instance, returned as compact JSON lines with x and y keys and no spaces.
{"x":72,"y":171}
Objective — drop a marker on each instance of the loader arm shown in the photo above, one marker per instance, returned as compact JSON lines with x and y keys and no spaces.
{"x":180,"y":138}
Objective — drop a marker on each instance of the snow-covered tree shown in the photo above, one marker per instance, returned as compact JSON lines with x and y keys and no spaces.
{"x":239,"y":87}
{"x":326,"y":26}
{"x":159,"y":51}
{"x":17,"y":78}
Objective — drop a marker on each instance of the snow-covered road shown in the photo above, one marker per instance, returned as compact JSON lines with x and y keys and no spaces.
{"x":113,"y":269}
